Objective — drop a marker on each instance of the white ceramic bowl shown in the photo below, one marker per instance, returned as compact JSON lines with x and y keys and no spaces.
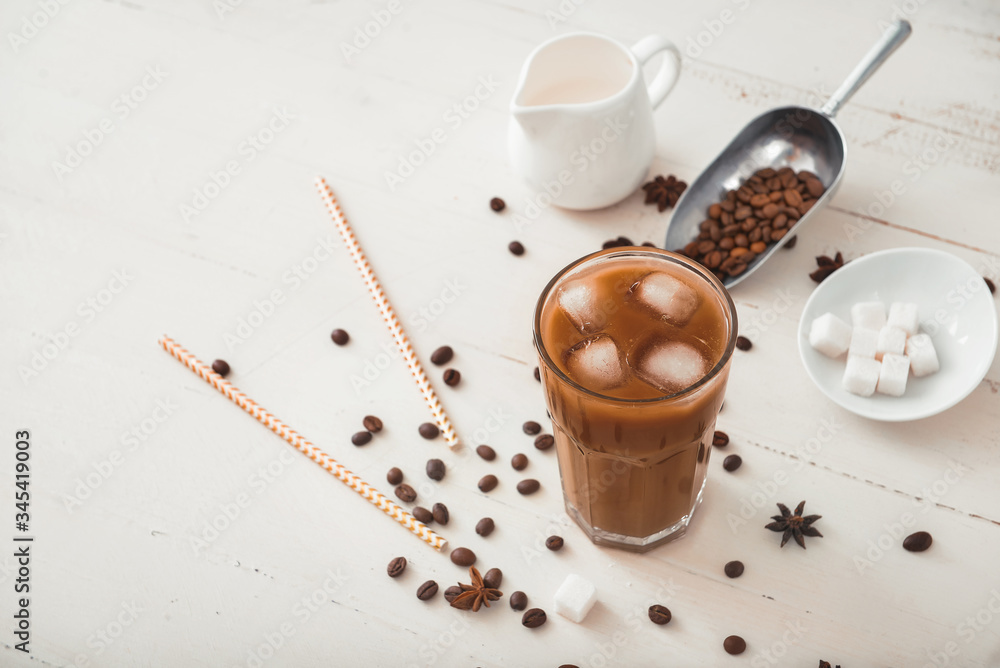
{"x":955,"y":308}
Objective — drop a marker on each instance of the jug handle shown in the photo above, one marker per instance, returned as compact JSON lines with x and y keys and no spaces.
{"x":667,"y":77}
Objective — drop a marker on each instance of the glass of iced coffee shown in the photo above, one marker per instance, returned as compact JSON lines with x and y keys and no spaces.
{"x":634,"y":346}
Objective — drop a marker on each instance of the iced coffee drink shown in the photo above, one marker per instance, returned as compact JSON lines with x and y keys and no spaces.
{"x":635,"y":346}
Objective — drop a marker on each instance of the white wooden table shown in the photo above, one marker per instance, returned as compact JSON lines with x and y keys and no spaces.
{"x":156,"y":167}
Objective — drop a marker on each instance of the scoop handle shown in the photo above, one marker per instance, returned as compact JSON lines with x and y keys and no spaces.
{"x":890,"y":41}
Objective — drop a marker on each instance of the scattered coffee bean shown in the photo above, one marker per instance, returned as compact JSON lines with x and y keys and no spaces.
{"x":406,"y":493}
{"x":991,"y":285}
{"x":518,"y":601}
{"x":531,"y":428}
{"x":394,"y":476}
{"x":422,"y":514}
{"x":516,"y":247}
{"x":732,"y":462}
{"x":544,"y":441}
{"x":533,"y":618}
{"x":452,"y":377}
{"x":372,"y":424}
{"x":463,"y":556}
{"x":396,"y":567}
{"x":659,"y":614}
{"x":529,"y":486}
{"x":734,"y":569}
{"x":493,"y":578}
{"x":734,"y":645}
{"x":720,"y":439}
{"x":554,"y":543}
{"x":429,"y":430}
{"x":361,"y":438}
{"x":790,"y":244}
{"x":569,"y":665}
{"x":440,"y":512}
{"x":485,"y":526}
{"x":442,"y":355}
{"x":221,"y":367}
{"x":340,"y":337}
{"x":427,"y":590}
{"x":451,"y":593}
{"x":488,"y":483}
{"x":497,"y":204}
{"x":538,"y":375}
{"x":917,"y":542}
{"x":519,"y":462}
{"x":435,"y":469}
{"x":743,"y":343}
{"x":486,"y":452}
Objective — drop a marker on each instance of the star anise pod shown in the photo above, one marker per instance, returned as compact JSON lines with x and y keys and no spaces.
{"x":475,"y":595}
{"x":826,"y":664}
{"x":827,"y":265}
{"x":664,"y":192}
{"x":794,"y":524}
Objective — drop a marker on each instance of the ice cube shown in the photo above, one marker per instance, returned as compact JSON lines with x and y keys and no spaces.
{"x":596,"y":363}
{"x":667,"y":297}
{"x":670,"y":366}
{"x":579,"y":302}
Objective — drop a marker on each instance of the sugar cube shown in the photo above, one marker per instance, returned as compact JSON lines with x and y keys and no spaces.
{"x":870,"y":315}
{"x":830,"y":335}
{"x":890,"y":340}
{"x":923,"y":357}
{"x":893,"y":374}
{"x":864,"y":342}
{"x":575,"y":597}
{"x":904,"y":315}
{"x":861,"y":375}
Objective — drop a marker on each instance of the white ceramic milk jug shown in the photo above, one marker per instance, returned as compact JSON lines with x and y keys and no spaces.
{"x":581,"y":125}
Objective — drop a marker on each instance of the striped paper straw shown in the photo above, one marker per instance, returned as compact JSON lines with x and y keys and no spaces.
{"x":302,"y":445}
{"x":388,"y":315}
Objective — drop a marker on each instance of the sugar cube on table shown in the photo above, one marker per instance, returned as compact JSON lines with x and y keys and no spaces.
{"x":904,"y":315}
{"x":893,"y":374}
{"x":864,"y":342}
{"x":830,"y":335}
{"x":575,"y":597}
{"x":890,"y":340}
{"x":861,"y":375}
{"x":923,"y":357}
{"x":870,"y":315}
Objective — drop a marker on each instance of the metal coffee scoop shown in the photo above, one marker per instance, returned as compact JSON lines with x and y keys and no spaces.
{"x":799,"y":137}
